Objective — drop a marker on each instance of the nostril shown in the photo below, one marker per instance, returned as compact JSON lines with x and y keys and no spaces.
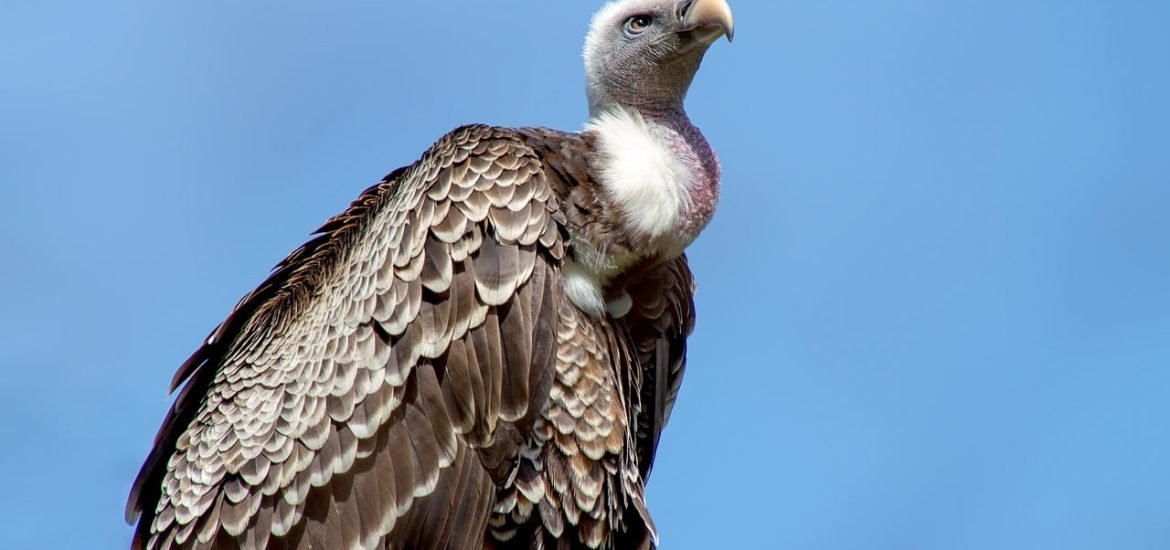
{"x":683,"y":8}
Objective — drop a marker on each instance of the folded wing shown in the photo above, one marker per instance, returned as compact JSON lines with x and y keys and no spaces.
{"x":347,"y":401}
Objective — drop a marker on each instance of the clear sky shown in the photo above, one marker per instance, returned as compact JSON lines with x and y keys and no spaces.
{"x":934,"y":306}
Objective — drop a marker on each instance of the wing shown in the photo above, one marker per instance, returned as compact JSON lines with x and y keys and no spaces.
{"x":344,"y":401}
{"x":661,"y":319}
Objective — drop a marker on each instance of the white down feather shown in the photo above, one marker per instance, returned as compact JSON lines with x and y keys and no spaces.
{"x":643,"y":176}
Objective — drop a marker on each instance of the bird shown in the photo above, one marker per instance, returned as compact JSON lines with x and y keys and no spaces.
{"x":481,"y":351}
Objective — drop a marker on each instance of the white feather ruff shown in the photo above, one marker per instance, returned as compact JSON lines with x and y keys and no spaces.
{"x":643,"y":176}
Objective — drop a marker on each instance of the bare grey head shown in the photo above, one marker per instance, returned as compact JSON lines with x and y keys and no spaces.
{"x":643,"y":54}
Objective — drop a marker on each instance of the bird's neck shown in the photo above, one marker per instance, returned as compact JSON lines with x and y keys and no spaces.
{"x":659,"y":174}
{"x":657,"y":182}
{"x":692,"y":149}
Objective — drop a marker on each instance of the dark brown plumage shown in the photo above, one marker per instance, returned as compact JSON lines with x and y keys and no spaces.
{"x":480,"y":353}
{"x":454,"y":376}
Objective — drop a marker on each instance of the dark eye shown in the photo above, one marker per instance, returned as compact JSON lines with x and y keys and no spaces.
{"x":637,"y":24}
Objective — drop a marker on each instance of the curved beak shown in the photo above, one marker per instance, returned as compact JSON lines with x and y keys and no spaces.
{"x":709,"y":18}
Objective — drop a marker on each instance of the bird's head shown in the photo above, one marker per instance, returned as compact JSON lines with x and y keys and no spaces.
{"x":643,"y":54}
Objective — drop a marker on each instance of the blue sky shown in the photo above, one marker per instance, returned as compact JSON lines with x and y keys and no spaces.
{"x":934,"y":307}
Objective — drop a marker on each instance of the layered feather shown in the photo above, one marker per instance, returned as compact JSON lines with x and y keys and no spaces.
{"x":414,"y":376}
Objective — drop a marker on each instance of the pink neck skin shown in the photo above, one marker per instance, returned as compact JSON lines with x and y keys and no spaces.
{"x":688,"y":143}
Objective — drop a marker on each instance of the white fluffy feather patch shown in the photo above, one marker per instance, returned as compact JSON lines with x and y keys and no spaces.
{"x":643,"y":176}
{"x":583,"y":288}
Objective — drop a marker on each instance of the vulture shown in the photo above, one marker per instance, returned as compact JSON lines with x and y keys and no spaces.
{"x":480,"y":352}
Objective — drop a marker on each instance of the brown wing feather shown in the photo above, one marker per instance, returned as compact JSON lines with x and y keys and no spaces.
{"x":661,"y":319}
{"x":342,"y":402}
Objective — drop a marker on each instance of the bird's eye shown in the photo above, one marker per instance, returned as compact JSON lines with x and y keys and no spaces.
{"x":637,"y":24}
